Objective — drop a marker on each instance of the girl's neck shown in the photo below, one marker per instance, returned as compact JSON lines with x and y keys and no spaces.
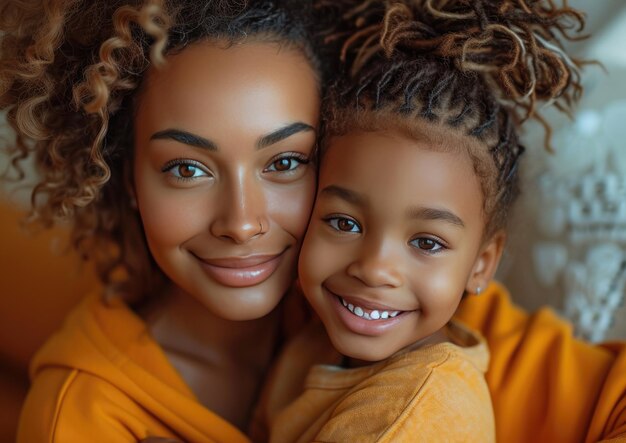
{"x":439,"y":336}
{"x":223,"y":362}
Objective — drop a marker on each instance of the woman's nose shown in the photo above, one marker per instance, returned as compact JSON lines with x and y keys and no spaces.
{"x":376,"y":266}
{"x":241,"y":215}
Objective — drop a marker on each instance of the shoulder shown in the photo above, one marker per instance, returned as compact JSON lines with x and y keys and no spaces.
{"x":416,"y":398}
{"x":66,"y":404}
{"x":289,"y":372}
{"x":432,"y":371}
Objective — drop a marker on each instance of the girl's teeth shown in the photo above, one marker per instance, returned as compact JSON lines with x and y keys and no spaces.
{"x":373,"y":315}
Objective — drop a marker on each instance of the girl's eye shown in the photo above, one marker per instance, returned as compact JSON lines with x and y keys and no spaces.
{"x":427,"y":244}
{"x":185,"y":170}
{"x":343,"y":224}
{"x":289,"y":162}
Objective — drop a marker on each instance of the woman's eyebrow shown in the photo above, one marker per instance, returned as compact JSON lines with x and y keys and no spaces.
{"x":283,"y":133}
{"x":185,"y":137}
{"x":198,"y":141}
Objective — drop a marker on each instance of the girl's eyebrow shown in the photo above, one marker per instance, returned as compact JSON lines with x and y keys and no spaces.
{"x":345,"y":194}
{"x":421,"y":212}
{"x":198,"y":141}
{"x":426,"y":213}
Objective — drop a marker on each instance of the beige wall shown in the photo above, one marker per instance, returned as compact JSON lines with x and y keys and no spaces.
{"x":592,"y":154}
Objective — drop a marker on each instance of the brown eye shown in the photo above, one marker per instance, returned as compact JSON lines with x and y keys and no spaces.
{"x":282,"y":164}
{"x":289,"y":162}
{"x":427,"y":244}
{"x":343,"y":224}
{"x":187,"y":171}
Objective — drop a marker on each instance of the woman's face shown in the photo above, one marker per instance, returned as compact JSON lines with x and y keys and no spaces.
{"x":222,"y":172}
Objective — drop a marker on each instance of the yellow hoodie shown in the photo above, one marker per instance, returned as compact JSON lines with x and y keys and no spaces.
{"x":545,"y":385}
{"x":436,"y":393}
{"x":103,"y":378}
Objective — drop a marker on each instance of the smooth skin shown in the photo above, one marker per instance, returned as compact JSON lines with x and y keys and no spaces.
{"x":224,"y":184}
{"x":397,"y":231}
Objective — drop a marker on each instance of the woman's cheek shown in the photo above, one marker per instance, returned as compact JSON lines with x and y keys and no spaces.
{"x":320,"y":257}
{"x":173,"y":217}
{"x":292,"y":207}
{"x":310,"y":266}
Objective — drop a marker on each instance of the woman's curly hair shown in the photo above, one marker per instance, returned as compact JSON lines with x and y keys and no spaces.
{"x":474,"y":67}
{"x":70,"y":71}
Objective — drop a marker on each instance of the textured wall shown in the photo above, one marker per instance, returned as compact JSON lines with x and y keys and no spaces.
{"x":568,"y":236}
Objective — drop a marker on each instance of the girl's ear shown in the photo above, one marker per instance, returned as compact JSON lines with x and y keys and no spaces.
{"x":486,"y":263}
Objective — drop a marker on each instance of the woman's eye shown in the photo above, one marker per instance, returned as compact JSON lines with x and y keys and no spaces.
{"x":343,"y":224}
{"x":287,"y":163}
{"x":427,"y":244}
{"x":185,"y":170}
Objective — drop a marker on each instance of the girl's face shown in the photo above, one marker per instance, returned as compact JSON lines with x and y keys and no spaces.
{"x":394,"y":240}
{"x":222,"y":172}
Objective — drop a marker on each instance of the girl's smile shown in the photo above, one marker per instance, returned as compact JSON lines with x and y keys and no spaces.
{"x":359,"y":319}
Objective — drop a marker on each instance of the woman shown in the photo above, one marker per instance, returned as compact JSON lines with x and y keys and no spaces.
{"x":178,"y":139}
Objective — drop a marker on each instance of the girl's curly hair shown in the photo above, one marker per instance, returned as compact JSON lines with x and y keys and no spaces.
{"x":474,"y":67}
{"x":70,"y":71}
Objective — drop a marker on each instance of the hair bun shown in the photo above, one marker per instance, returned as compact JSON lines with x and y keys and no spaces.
{"x":513,"y":44}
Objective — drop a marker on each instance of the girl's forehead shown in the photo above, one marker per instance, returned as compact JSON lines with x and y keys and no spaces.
{"x":434,"y":135}
{"x":360,"y":151}
{"x":388,"y":169}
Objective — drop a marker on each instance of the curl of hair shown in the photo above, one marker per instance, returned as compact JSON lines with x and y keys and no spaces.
{"x":479,"y":66}
{"x":70,"y":71}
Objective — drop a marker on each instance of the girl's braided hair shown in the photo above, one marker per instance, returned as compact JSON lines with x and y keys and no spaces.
{"x":70,"y":71}
{"x":474,"y":67}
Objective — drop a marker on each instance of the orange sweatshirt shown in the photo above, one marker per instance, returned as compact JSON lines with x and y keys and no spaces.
{"x":435,"y":393}
{"x":545,"y":385}
{"x":102,"y":378}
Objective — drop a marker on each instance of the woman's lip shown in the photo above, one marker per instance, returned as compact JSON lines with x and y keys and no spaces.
{"x":240,"y":262}
{"x":241,"y":272}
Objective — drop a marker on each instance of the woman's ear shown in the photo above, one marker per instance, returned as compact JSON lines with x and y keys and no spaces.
{"x":129,"y":185}
{"x":486,"y":263}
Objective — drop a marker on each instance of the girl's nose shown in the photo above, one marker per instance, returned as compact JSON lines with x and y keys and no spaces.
{"x":376,"y":266}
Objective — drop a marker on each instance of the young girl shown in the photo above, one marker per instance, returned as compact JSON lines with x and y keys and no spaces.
{"x":177,"y":138}
{"x":418,"y":174}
